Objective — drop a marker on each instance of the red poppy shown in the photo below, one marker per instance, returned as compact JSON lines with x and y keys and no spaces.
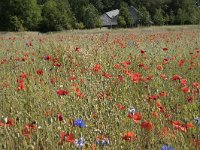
{"x":28,"y":129}
{"x":149,"y":77}
{"x":47,"y":57}
{"x":142,"y":51}
{"x":67,"y":137}
{"x":136,"y":117}
{"x":181,"y":62}
{"x":53,"y":80}
{"x":147,"y":125}
{"x":135,"y":77}
{"x":179,"y":126}
{"x":163,"y":76}
{"x":97,"y":68}
{"x":23,"y":75}
{"x":129,"y":136}
{"x":120,"y":106}
{"x":185,"y":89}
{"x":176,"y":77}
{"x":196,"y":85}
{"x":120,"y":78}
{"x":7,"y":122}
{"x":165,"y":49}
{"x":141,"y":65}
{"x":77,"y":49}
{"x":40,"y":72}
{"x":182,"y":126}
{"x":154,"y":114}
{"x":62,"y":92}
{"x":57,"y":64}
{"x":60,"y":117}
{"x":160,"y":107}
{"x":117,"y":66}
{"x":163,"y":94}
{"x":159,"y":67}
{"x":107,"y":75}
{"x":153,"y":97}
{"x":183,"y":82}
{"x":21,"y":85}
{"x":126,"y":63}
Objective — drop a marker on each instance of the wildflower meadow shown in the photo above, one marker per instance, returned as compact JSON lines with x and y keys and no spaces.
{"x":125,"y":89}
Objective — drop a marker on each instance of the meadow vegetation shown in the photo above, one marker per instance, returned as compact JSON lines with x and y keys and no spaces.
{"x":102,"y":89}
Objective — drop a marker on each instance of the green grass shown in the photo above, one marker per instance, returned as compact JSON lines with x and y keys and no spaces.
{"x":96,"y":97}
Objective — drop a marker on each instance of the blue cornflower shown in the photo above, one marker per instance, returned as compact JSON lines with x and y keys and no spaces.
{"x":103,"y":142}
{"x":132,"y":110}
{"x":197,"y":121}
{"x":167,"y":147}
{"x":80,"y":123}
{"x":79,"y":142}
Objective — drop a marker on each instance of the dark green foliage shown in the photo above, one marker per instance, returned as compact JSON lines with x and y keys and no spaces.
{"x":90,"y":15}
{"x":19,"y":15}
{"x":159,"y":18}
{"x":54,"y":15}
{"x":124,"y":19}
{"x":121,"y":21}
{"x":144,"y":17}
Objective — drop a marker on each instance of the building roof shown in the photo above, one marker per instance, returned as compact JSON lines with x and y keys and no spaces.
{"x":113,"y":13}
{"x":110,"y":18}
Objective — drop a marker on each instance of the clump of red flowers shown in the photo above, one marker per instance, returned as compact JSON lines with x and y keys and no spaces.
{"x":6,"y":122}
{"x":147,"y":125}
{"x":40,"y":72}
{"x":62,"y":92}
{"x":29,"y":129}
{"x":129,"y":136}
{"x":66,"y":137}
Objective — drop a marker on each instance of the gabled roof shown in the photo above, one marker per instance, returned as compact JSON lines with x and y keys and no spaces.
{"x":113,"y":13}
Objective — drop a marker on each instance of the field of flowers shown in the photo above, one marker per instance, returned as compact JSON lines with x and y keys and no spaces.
{"x":128,"y":89}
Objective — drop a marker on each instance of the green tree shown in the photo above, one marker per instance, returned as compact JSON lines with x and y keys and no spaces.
{"x":171,"y":17}
{"x":158,"y":18}
{"x":121,"y":21}
{"x":144,"y":17}
{"x":194,"y":15}
{"x":25,"y":13}
{"x":125,"y":15}
{"x":56,"y":16}
{"x":91,"y":18}
{"x":181,"y":16}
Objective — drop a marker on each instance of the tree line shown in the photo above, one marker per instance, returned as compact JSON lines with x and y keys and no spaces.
{"x":57,"y":15}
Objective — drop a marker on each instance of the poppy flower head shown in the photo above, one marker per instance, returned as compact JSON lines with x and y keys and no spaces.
{"x":185,"y":89}
{"x":40,"y":72}
{"x":176,"y":77}
{"x":129,"y":136}
{"x":165,"y":49}
{"x":147,"y":125}
{"x":120,"y":106}
{"x":60,"y":117}
{"x":23,"y":75}
{"x":62,"y":92}
{"x":97,"y":68}
{"x":67,"y":137}
{"x":47,"y":57}
{"x":5,"y":121}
